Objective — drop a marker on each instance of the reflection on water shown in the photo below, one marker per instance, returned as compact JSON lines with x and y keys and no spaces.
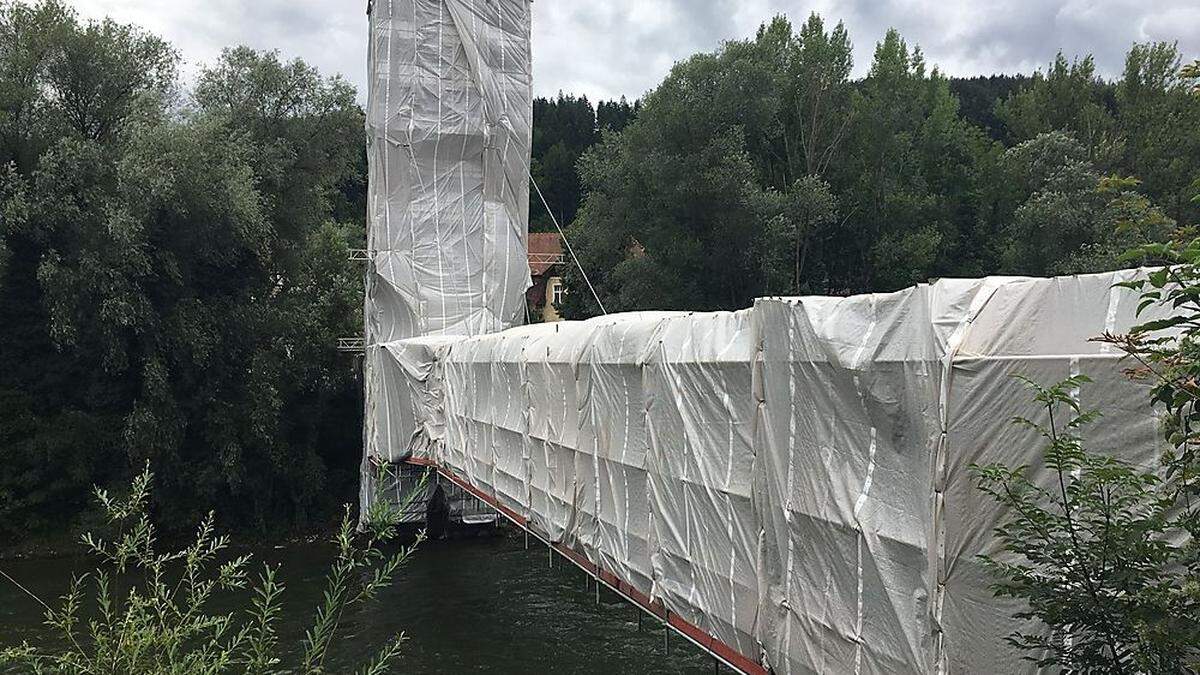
{"x":481,"y":605}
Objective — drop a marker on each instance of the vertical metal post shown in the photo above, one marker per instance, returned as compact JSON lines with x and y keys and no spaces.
{"x":666,"y":636}
{"x":597,"y":590}
{"x":550,"y":554}
{"x":526,"y":539}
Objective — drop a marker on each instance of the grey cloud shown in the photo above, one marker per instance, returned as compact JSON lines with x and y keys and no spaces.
{"x":613,"y":47}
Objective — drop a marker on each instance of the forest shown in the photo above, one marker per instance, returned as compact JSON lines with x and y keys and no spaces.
{"x":175,"y":255}
{"x":765,"y":168}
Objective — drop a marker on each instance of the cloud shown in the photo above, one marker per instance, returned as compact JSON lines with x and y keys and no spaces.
{"x":625,"y":47}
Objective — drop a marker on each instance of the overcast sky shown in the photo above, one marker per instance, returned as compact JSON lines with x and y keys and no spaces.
{"x":608,"y":48}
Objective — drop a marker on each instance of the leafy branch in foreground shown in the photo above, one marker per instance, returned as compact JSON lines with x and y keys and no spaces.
{"x":152,"y":610}
{"x":1089,"y":547}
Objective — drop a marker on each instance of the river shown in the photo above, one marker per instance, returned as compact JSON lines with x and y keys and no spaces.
{"x":480,"y":604}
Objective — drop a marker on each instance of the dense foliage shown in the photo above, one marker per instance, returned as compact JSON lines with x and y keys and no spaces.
{"x":175,"y":273}
{"x":1092,"y":553}
{"x":763,"y":168}
{"x":564,"y":127}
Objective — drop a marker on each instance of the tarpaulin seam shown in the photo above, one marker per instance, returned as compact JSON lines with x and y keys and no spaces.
{"x":864,"y":493}
{"x":462,"y":188}
{"x":504,"y":171}
{"x":787,"y":501}
{"x":625,"y":445}
{"x":437,"y":144}
{"x":1110,"y":316}
{"x":980,"y":300}
{"x":387,"y":121}
{"x":729,"y":514}
{"x":1074,"y":393}
{"x":412,"y":232}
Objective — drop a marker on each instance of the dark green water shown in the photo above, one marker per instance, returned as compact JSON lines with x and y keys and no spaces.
{"x":467,"y":605}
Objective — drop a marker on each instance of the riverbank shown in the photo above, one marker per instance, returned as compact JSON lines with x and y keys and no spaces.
{"x":67,"y":544}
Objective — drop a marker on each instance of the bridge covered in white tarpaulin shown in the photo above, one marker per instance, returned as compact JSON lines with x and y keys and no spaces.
{"x":790,"y":482}
{"x":787,"y":485}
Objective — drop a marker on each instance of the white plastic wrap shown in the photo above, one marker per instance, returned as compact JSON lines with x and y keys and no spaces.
{"x":1039,"y":329}
{"x":700,"y":415}
{"x":449,"y":120}
{"x":793,"y":479}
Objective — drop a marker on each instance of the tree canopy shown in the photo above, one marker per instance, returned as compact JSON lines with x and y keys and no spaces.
{"x":764,"y":168}
{"x":177,"y":271}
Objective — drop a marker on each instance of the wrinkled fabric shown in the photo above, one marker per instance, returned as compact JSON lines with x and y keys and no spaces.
{"x":792,"y":479}
{"x":449,"y":132}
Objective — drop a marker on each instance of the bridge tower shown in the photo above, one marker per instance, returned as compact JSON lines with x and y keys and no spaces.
{"x":449,"y":125}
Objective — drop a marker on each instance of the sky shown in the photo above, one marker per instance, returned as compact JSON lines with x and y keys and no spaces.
{"x":609,"y":48}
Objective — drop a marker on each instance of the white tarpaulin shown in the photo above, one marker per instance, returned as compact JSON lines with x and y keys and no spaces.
{"x":792,"y":479}
{"x":449,"y":119}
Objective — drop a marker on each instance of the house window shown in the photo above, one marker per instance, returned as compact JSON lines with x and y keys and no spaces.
{"x":557,"y":291}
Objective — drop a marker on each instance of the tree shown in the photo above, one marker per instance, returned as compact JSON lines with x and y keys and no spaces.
{"x":908,"y":178}
{"x":1157,"y":118}
{"x":615,"y":115}
{"x":682,"y":195}
{"x":1105,"y":555}
{"x":818,"y":93}
{"x":29,"y":38}
{"x":54,"y":71}
{"x":564,"y":127}
{"x":303,"y":133}
{"x":176,"y":279}
{"x":977,"y":98}
{"x":1067,"y":97}
{"x":667,"y":229}
{"x":1191,"y":72}
{"x":795,"y":218}
{"x":1068,"y":221}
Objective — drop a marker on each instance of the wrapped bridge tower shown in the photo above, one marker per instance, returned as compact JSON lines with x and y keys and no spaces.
{"x":449,"y":119}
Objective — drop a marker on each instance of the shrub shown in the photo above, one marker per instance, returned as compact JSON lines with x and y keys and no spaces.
{"x":152,"y":610}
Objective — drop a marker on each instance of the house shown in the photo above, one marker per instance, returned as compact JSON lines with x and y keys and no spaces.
{"x":545,"y":268}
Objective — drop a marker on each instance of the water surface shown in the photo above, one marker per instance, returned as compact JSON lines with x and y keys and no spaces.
{"x":468,"y":605}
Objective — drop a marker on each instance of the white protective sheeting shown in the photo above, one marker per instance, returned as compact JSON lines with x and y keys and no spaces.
{"x":1039,"y":329}
{"x":449,"y":120}
{"x":849,"y":437}
{"x":700,"y":415}
{"x":792,"y":479}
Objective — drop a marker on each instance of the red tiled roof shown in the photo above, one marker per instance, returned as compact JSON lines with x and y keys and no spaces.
{"x":545,"y":250}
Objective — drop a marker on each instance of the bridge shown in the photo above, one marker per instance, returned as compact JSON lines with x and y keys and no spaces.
{"x":788,"y":486}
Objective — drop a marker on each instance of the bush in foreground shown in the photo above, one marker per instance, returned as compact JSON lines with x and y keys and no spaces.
{"x":152,"y":611}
